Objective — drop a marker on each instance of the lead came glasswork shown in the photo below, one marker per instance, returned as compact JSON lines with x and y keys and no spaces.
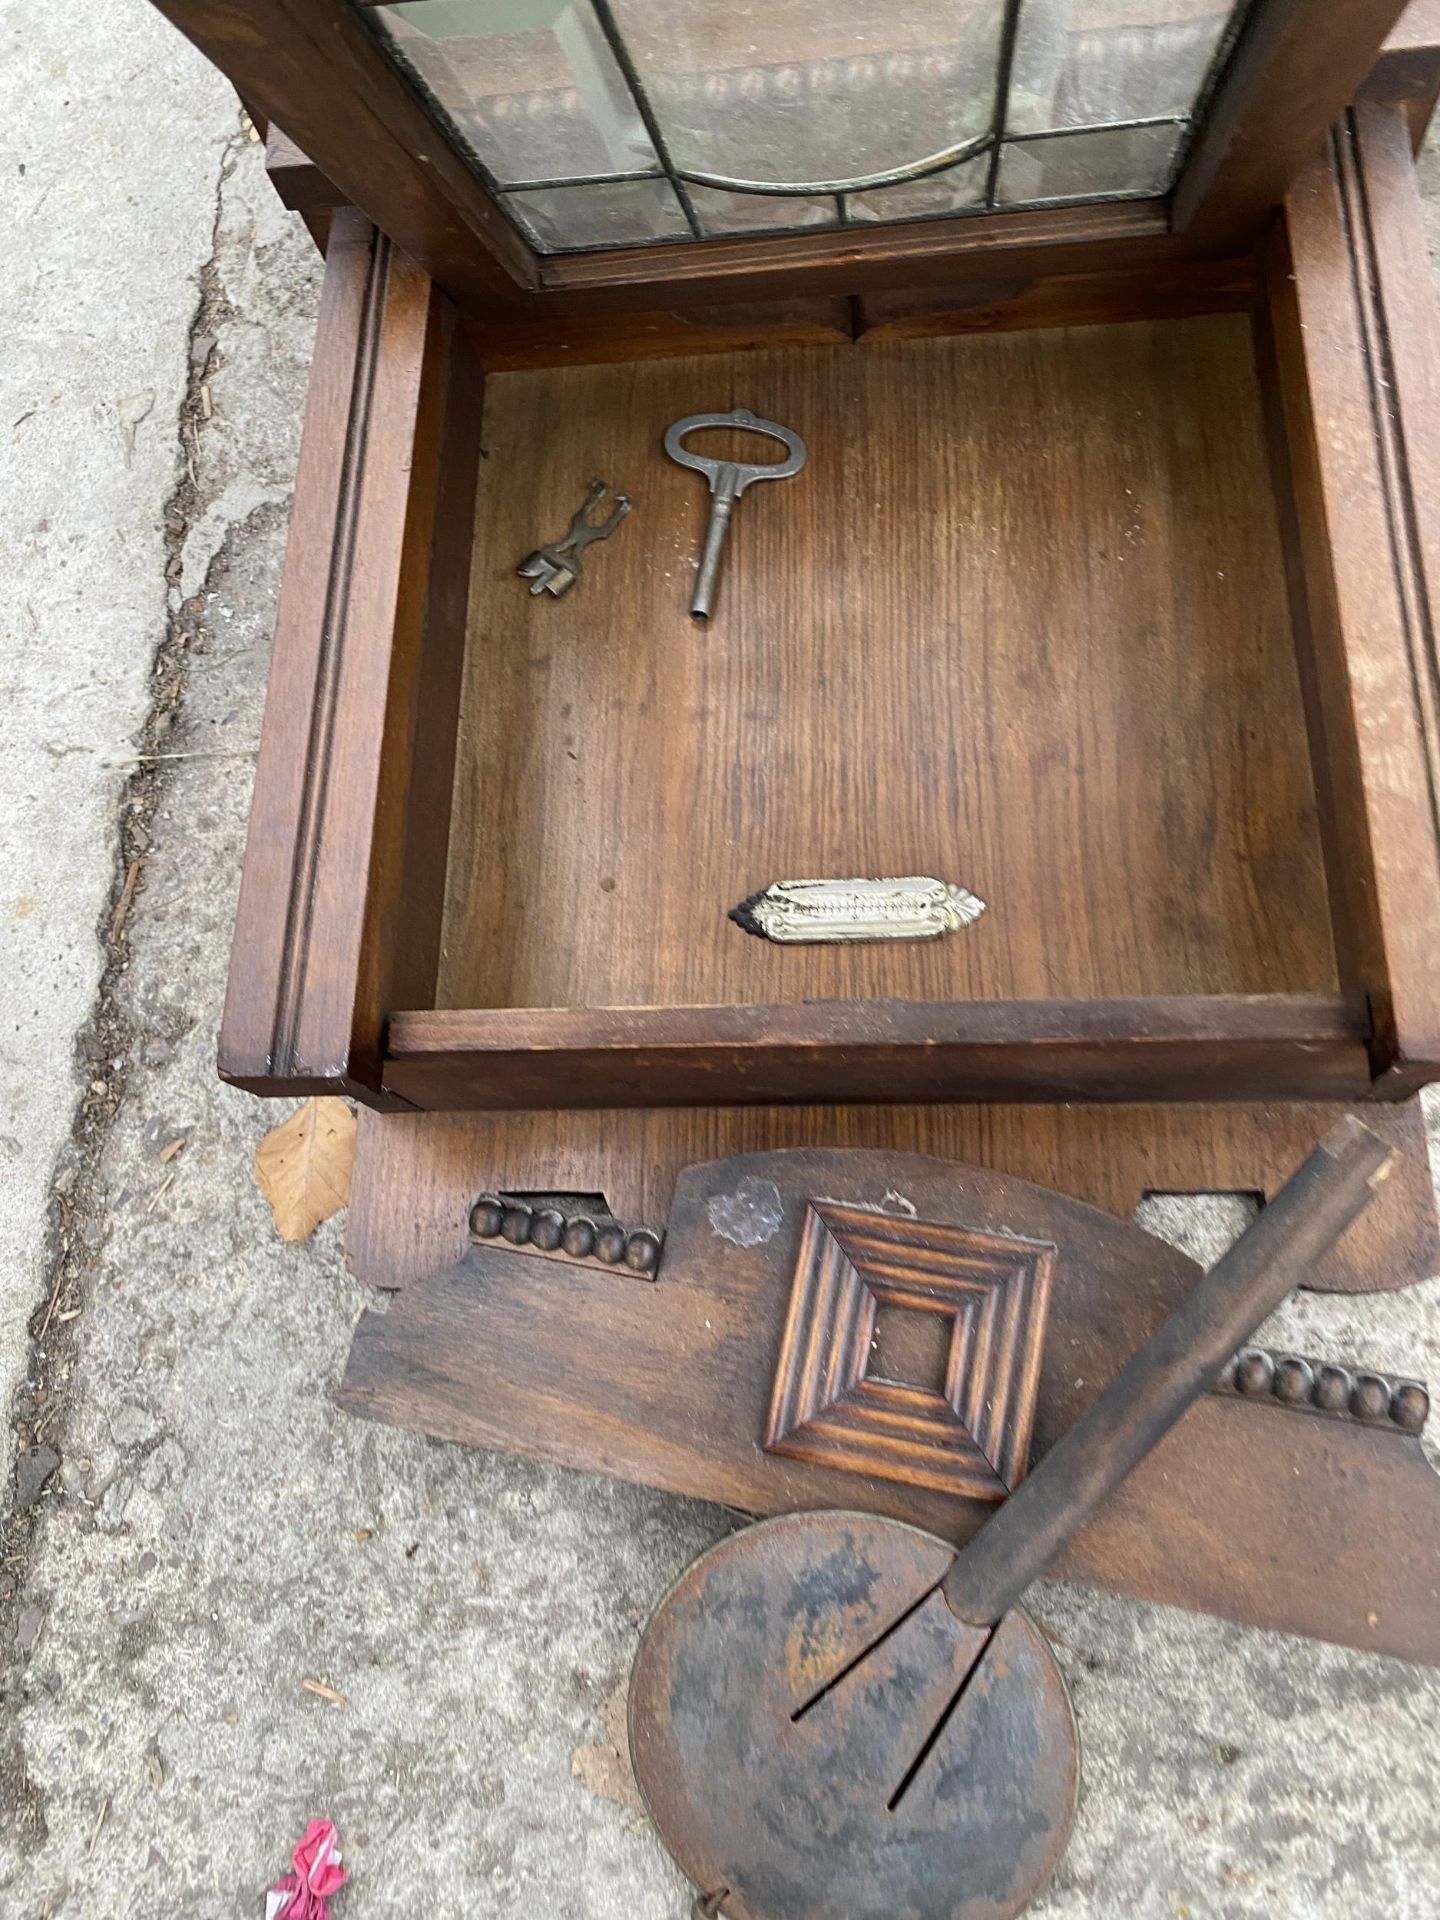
{"x":787,"y":92}
{"x":614,"y":123}
{"x":531,"y":86}
{"x":1075,"y":166}
{"x":1083,"y":63}
{"x":620,"y":214}
{"x":719,"y":212}
{"x":953,"y":191}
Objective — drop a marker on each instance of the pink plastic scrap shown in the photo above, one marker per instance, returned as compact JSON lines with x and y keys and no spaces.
{"x":304,"y":1894}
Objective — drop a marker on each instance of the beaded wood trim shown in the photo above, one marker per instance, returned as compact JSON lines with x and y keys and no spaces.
{"x":583,"y":1239}
{"x":1318,"y":1386}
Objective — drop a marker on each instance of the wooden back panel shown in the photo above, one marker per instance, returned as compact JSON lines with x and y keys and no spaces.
{"x":1020,"y":624}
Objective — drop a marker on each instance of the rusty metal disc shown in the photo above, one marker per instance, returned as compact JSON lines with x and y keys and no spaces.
{"x":937,"y":1780}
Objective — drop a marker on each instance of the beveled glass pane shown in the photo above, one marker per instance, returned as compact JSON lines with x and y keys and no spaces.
{"x":949,"y":192}
{"x":616,"y":214}
{"x":530,"y":85}
{"x":1075,"y":165}
{"x":781,"y":91}
{"x":1080,"y":63}
{"x":719,"y":212}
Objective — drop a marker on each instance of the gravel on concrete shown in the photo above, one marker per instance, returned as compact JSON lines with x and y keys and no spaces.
{"x":215,"y":1533}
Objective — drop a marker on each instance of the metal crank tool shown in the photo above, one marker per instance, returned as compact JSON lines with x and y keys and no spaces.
{"x":728,"y":480}
{"x":836,"y":1717}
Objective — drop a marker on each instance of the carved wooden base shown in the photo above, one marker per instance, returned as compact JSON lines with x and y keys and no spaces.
{"x":1250,"y":1509}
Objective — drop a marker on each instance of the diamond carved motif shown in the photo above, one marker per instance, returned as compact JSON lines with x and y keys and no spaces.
{"x":971,"y":1437}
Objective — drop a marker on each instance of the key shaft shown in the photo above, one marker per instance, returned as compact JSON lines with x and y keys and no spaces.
{"x":728,"y":481}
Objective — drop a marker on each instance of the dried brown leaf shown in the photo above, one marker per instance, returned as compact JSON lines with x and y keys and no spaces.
{"x":169,"y":1153}
{"x":303,"y":1166}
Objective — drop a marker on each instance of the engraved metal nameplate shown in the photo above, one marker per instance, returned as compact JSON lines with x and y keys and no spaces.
{"x":914,"y":908}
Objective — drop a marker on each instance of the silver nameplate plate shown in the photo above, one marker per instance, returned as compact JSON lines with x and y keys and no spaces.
{"x":802,"y":912}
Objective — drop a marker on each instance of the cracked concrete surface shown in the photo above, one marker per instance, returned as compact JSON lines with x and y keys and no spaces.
{"x":214,"y":1532}
{"x":108,"y":213}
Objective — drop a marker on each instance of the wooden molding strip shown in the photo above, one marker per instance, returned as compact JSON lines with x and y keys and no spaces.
{"x":1333,"y":1390}
{"x":337,"y":855}
{"x":989,"y":247}
{"x":583,"y":1239}
{"x":1241,"y":1046}
{"x":1355,"y":335}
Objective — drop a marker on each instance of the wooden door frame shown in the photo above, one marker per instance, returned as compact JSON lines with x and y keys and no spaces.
{"x":310,"y":68}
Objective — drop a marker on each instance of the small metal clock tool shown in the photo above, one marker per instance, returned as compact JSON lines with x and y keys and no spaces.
{"x":555,"y":568}
{"x":728,"y":480}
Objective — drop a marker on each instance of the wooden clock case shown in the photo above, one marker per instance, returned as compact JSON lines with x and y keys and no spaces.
{"x":1108,"y":596}
{"x":1109,"y":591}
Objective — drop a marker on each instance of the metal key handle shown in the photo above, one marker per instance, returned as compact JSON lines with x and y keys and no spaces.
{"x":728,"y":480}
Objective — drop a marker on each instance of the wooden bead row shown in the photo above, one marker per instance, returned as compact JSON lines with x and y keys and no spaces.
{"x":1315,"y":1386}
{"x":578,"y":1237}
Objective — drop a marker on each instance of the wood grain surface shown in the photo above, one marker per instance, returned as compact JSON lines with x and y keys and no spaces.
{"x":1356,"y":341}
{"x":418,"y":1175}
{"x":1020,"y":623}
{"x":1191,"y":1047}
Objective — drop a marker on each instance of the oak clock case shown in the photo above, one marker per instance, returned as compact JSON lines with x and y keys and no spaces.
{"x":1097,"y":625}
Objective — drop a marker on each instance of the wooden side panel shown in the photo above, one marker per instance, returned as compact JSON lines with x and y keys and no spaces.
{"x":341,"y":893}
{"x":1256,"y":1046}
{"x":1356,"y":338}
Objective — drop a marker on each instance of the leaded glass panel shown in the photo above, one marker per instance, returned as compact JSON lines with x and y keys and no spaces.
{"x":605,"y":123}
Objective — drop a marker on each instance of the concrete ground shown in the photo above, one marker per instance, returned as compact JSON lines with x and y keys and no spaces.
{"x":193,"y":1531}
